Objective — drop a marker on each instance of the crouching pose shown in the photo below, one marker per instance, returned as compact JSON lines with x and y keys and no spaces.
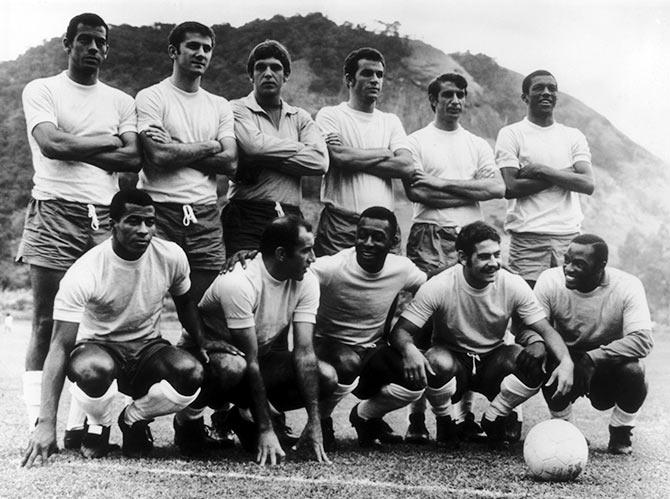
{"x":602,"y":315}
{"x":471,"y":305}
{"x":105,"y":336}
{"x":254,"y":308}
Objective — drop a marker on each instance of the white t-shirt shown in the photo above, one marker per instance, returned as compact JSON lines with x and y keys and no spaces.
{"x":555,"y":210}
{"x":604,"y":317}
{"x":473,"y":320}
{"x":188,"y":117}
{"x":354,"y":303}
{"x":354,"y":191}
{"x":456,"y":155}
{"x":251,"y":297}
{"x":119,"y":300}
{"x":79,"y":110}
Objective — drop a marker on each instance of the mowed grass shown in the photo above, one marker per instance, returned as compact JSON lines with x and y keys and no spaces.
{"x":401,"y":471}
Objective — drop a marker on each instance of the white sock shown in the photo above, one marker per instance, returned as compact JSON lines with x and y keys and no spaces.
{"x":98,"y":409}
{"x":161,"y":399}
{"x":565,"y":414}
{"x":76,"y":417}
{"x":440,"y":398}
{"x":512,"y":393}
{"x":389,"y":398}
{"x":32,"y":392}
{"x":327,"y":406}
{"x":620,"y":417}
{"x":418,"y":406}
{"x":519,"y":412}
{"x":190,"y":414}
{"x":461,"y":408}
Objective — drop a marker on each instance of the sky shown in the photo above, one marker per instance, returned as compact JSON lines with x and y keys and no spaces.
{"x":613,"y":55}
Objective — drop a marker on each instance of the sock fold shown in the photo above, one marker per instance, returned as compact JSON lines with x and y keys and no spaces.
{"x":389,"y":398}
{"x":98,"y":410}
{"x":160,"y":399}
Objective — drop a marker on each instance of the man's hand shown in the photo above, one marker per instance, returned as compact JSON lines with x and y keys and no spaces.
{"x":585,"y":368}
{"x":240,"y":257}
{"x":531,"y":360}
{"x":533,"y":170}
{"x":333,"y":139}
{"x":217,"y":345}
{"x":419,"y":178}
{"x":42,"y":444}
{"x":415,"y":365}
{"x":563,"y":376}
{"x":158,"y":134}
{"x":313,"y":437}
{"x":269,"y":449}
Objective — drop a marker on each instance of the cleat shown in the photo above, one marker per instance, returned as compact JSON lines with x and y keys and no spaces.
{"x":192,"y":437}
{"x":137,"y":438}
{"x":95,"y":442}
{"x":469,"y":430}
{"x":284,"y":432}
{"x":245,"y":430}
{"x":367,"y":431}
{"x":220,"y":429}
{"x":620,"y":442}
{"x":446,"y":436}
{"x":386,"y":433}
{"x":328,"y":434}
{"x":72,"y":438}
{"x":417,"y":433}
{"x":512,"y":428}
{"x":495,"y":431}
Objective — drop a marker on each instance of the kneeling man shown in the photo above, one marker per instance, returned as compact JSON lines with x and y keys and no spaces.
{"x":106,"y":337}
{"x":602,"y":314}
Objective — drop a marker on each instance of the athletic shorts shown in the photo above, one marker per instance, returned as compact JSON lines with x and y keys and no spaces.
{"x":531,"y":254}
{"x":130,"y":358}
{"x":196,"y":229}
{"x":57,"y":232}
{"x":244,"y":221}
{"x":337,"y":231}
{"x":364,"y":353}
{"x":430,"y":246}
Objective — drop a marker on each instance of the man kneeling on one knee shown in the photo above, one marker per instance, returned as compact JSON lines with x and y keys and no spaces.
{"x":471,"y":305}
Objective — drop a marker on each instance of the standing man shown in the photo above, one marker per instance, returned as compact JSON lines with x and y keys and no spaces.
{"x":455,"y":171}
{"x":81,"y":133}
{"x":188,"y":138}
{"x":602,"y":314}
{"x":545,"y":166}
{"x":367,"y":147}
{"x":278,"y":145}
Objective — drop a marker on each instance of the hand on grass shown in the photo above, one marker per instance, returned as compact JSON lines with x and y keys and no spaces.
{"x":311,"y":436}
{"x":269,"y":449}
{"x":42,"y":444}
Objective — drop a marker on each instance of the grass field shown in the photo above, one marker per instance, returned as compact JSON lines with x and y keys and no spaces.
{"x":402,"y":471}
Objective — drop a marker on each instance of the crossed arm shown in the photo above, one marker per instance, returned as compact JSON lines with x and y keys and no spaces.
{"x":439,"y":193}
{"x":536,"y":177}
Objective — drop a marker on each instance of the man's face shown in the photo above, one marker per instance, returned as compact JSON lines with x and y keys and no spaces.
{"x":268,"y":77}
{"x":483,"y":265}
{"x":193,"y":54}
{"x":88,"y":49}
{"x":373,"y":243}
{"x":368,"y":80}
{"x":580,"y":267}
{"x":542,"y":95}
{"x":134,"y":231}
{"x":449,"y":103}
{"x":297,"y":263}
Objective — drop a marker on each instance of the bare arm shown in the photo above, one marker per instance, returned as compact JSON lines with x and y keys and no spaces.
{"x":563,"y":373}
{"x":518,"y":187}
{"x":379,"y":162}
{"x":578,"y":178}
{"x":161,"y":152}
{"x":223,"y":163}
{"x":415,"y":365}
{"x":126,"y":158}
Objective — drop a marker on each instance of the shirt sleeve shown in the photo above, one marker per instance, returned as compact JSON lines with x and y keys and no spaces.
{"x":74,"y":293}
{"x":237,"y":299}
{"x":486,"y":164}
{"x":254,"y":142}
{"x":38,"y":105}
{"x":323,"y":268}
{"x":580,"y":148}
{"x":399,"y":138}
{"x":181,"y":282}
{"x":127,"y":114}
{"x":326,"y":121}
{"x":226,"y":120}
{"x":423,"y":306}
{"x":507,"y":149}
{"x":314,"y":153}
{"x":525,"y":303}
{"x":415,"y":277}
{"x":415,"y":150}
{"x":149,"y":109}
{"x":308,"y":303}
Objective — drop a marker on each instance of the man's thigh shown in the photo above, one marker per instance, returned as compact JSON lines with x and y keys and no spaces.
{"x":493,"y":368}
{"x":446,"y":364}
{"x":382,"y":368}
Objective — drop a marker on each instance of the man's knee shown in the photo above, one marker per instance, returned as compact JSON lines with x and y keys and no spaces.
{"x":632,"y":370}
{"x":184,"y":372}
{"x":225,"y":369}
{"x":327,"y":379}
{"x":92,"y":369}
{"x":444,"y":366}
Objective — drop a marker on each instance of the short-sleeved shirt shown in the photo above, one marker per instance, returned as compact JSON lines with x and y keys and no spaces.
{"x":251,"y":297}
{"x":587,"y":321}
{"x":457,"y":155}
{"x":356,"y":191}
{"x":188,"y":117}
{"x":81,"y":110}
{"x":554,"y":210}
{"x":296,"y":141}
{"x":466,"y":319}
{"x":114,"y":299}
{"x":355,"y":303}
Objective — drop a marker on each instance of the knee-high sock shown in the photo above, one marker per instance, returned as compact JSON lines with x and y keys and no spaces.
{"x":418,"y":406}
{"x":76,"y":417}
{"x":389,"y":398}
{"x":619,"y":417}
{"x":440,"y":398}
{"x":161,"y":399}
{"x":32,"y":392}
{"x":98,"y":409}
{"x":326,"y":406}
{"x":565,"y":414}
{"x":461,"y":408}
{"x":512,"y":393}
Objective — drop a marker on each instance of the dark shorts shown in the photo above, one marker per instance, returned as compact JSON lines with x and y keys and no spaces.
{"x":337,"y":231}
{"x":328,"y":349}
{"x":56,"y":232}
{"x":130,"y":358}
{"x":431,"y":247}
{"x":244,"y":221}
{"x":202,"y":241}
{"x":531,"y":254}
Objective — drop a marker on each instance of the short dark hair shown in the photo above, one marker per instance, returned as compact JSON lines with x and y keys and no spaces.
{"x":283,"y":231}
{"x":178,"y":33}
{"x":351,"y":61}
{"x":525,"y":84}
{"x":381,"y":213}
{"x":117,"y":208}
{"x":600,"y":248}
{"x":475,"y":233}
{"x":266,"y":50}
{"x":436,"y":85}
{"x":87,"y":19}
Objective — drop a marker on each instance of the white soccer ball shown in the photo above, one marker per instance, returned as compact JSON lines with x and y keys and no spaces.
{"x":555,"y":450}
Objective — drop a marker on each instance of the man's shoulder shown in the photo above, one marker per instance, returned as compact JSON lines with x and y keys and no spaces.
{"x":167,"y":249}
{"x":152,"y":90}
{"x":45,"y":81}
{"x":517,"y":126}
{"x":336,"y":110}
{"x":622,"y":278}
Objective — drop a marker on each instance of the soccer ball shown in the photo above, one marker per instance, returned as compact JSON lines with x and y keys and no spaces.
{"x":555,"y":450}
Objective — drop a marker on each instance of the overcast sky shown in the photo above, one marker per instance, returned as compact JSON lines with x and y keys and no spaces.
{"x":614,"y":55}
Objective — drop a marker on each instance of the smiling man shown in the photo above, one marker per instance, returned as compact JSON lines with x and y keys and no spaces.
{"x":602,"y":314}
{"x":545,"y":166}
{"x":106,"y":336}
